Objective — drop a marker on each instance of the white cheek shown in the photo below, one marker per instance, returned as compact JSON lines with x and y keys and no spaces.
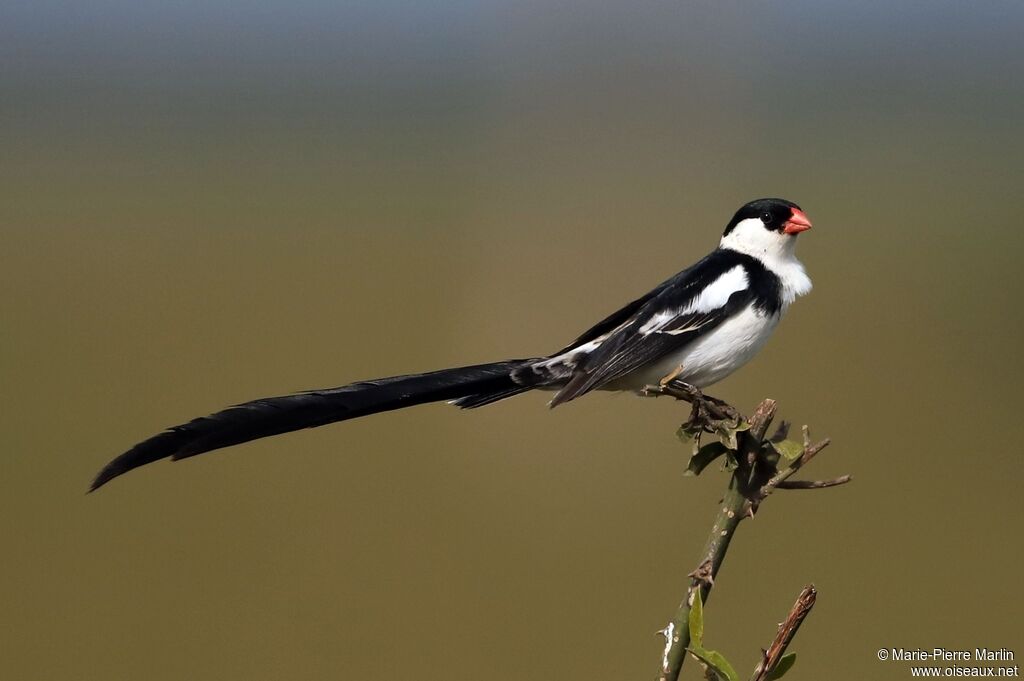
{"x":751,"y":235}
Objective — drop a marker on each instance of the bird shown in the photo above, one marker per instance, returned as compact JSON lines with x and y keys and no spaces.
{"x":697,"y":327}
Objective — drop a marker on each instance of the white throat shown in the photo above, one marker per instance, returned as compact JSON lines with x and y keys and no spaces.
{"x":777,"y":252}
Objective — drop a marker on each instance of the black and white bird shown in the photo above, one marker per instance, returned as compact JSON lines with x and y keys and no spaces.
{"x":697,"y":327}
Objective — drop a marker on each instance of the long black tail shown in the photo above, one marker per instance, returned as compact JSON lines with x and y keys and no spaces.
{"x":470,"y":386}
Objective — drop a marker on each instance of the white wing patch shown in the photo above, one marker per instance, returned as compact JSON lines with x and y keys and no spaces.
{"x":713,"y":297}
{"x":718,"y":292}
{"x":568,"y":360}
{"x":658,"y":321}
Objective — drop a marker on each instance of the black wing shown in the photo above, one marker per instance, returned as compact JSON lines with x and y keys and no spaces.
{"x":616,"y":318}
{"x":639,"y":339}
{"x":629,"y":348}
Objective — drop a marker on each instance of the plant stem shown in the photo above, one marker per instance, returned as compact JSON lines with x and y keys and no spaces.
{"x":735,"y":505}
{"x":726,"y":521}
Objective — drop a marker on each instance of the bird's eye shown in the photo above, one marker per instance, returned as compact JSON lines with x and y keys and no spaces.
{"x":766,"y":218}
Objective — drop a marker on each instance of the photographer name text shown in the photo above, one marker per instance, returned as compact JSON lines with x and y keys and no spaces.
{"x":946,"y":655}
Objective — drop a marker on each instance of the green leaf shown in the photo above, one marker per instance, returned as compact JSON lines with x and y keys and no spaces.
{"x":727,"y":436}
{"x":730,"y":463}
{"x":788,"y":449}
{"x":716,"y":663}
{"x":728,"y":432}
{"x":704,"y":456}
{"x":786,"y":663}
{"x":696,"y":621}
{"x":689,"y":434}
{"x":685,"y":435}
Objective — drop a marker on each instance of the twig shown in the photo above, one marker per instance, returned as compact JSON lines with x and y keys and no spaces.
{"x":787,"y":630}
{"x":814,"y":484}
{"x":810,"y":451}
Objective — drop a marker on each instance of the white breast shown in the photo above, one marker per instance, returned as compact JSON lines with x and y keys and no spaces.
{"x":712,"y":357}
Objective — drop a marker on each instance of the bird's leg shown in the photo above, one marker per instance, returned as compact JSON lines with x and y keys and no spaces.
{"x":671,"y":376}
{"x":705,"y":408}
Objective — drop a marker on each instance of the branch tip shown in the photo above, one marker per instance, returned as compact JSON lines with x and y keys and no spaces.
{"x":814,"y":484}
{"x":787,"y":630}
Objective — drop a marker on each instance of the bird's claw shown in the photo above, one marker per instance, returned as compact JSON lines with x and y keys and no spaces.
{"x":706,"y":411}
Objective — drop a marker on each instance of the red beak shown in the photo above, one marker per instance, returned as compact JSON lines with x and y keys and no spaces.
{"x":796,"y":223}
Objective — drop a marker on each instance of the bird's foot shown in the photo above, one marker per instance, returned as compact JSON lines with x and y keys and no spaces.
{"x":722,"y":409}
{"x":705,"y":408}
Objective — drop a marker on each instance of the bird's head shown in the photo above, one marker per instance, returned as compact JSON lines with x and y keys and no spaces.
{"x":765,"y":228}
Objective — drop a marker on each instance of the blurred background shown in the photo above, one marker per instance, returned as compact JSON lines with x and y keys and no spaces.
{"x":206,"y":202}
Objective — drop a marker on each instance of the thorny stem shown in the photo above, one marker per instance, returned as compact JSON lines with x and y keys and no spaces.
{"x":754,"y":478}
{"x":726,"y":521}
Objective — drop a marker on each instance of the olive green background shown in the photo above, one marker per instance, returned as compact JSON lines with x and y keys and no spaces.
{"x":205,"y":203}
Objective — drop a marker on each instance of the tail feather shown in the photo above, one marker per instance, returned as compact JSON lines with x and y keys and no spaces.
{"x":483,"y":399}
{"x":275,"y":415}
